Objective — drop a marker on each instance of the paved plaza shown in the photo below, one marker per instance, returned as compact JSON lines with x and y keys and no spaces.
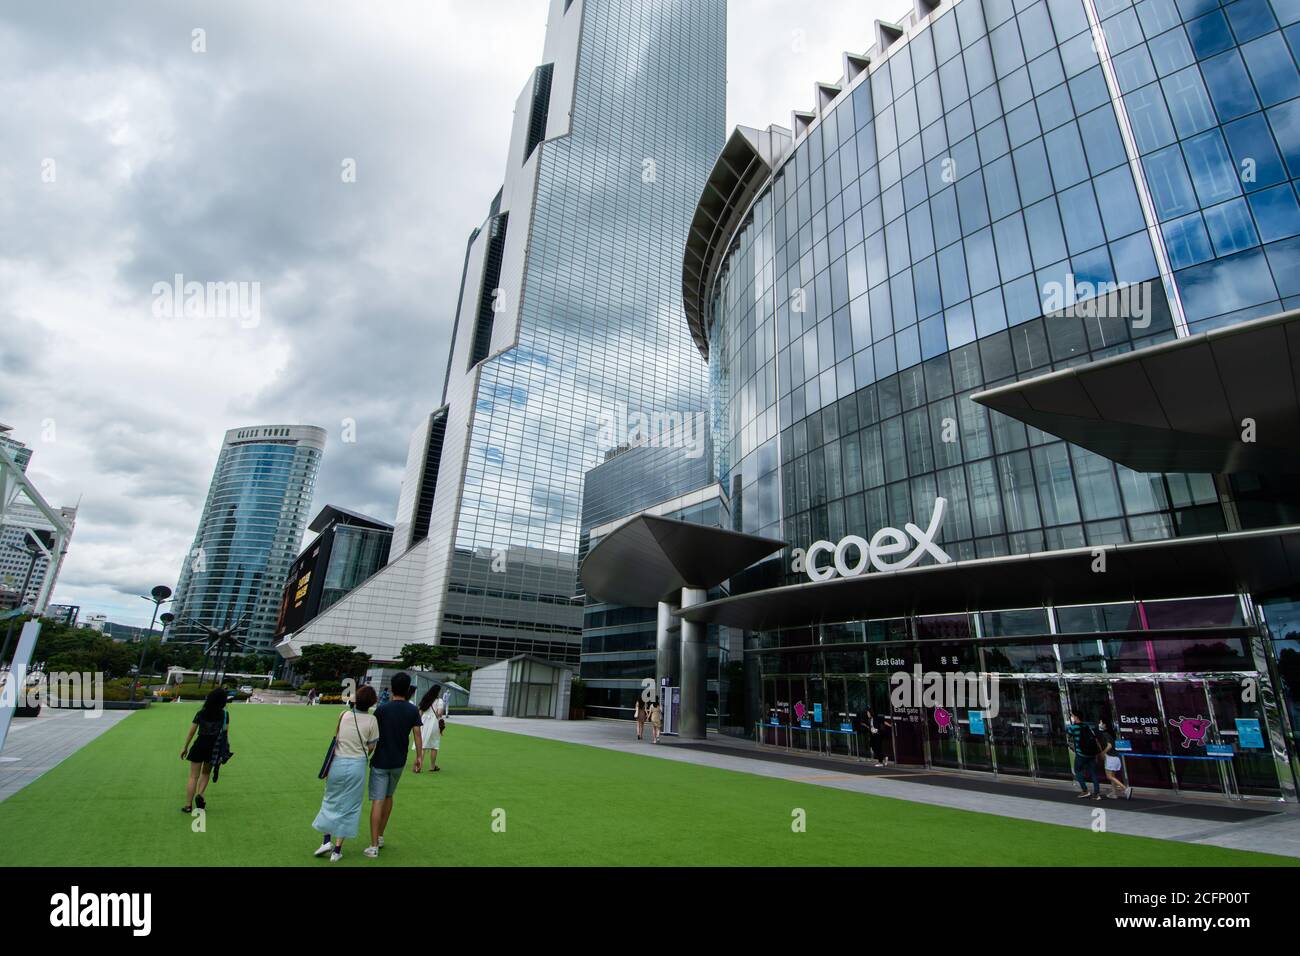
{"x":36,"y":744}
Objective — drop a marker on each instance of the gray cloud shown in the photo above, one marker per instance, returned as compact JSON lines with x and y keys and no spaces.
{"x":225,"y":165}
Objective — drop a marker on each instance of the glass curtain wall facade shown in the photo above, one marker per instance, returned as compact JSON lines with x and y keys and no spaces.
{"x":355,"y":554}
{"x":600,"y":334}
{"x":257,"y":507}
{"x":916,"y":245}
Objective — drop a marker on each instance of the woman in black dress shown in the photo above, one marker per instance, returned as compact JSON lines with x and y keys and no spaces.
{"x":209,"y":724}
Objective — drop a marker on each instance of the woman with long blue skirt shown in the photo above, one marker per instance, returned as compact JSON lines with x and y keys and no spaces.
{"x":340,"y":810}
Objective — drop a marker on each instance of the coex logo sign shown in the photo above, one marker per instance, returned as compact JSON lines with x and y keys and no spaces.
{"x":884,"y":543}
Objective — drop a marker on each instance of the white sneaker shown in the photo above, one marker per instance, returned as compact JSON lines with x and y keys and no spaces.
{"x":371,"y":851}
{"x":380,"y":844}
{"x":323,"y":848}
{"x":336,"y":856}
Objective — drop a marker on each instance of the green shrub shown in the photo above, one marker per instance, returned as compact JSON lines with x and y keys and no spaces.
{"x":187,"y":694}
{"x":322,"y":687}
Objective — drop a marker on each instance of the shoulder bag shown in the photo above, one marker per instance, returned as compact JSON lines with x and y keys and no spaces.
{"x":334,"y":746}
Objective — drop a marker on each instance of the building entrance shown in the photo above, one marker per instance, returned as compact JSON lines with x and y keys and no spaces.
{"x":1184,"y":733}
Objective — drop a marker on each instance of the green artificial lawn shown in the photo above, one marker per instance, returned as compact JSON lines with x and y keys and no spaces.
{"x":117,"y":802}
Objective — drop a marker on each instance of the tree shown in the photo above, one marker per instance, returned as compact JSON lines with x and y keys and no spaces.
{"x":431,"y":657}
{"x":332,"y":662}
{"x":63,"y":648}
{"x":252,"y":663}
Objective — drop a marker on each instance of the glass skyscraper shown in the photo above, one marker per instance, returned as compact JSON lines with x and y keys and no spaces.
{"x":569,"y":324}
{"x":597,"y":322}
{"x":252,"y":525}
{"x":942,"y":223}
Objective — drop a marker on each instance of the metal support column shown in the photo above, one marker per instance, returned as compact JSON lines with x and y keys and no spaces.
{"x":695,"y":667}
{"x":668,"y":651}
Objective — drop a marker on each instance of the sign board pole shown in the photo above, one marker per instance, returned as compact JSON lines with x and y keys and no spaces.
{"x":16,"y":684}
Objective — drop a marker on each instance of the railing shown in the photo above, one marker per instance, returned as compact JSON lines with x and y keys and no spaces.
{"x":807,"y":738}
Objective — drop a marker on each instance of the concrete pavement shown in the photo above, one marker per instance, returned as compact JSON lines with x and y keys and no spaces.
{"x":36,"y":744}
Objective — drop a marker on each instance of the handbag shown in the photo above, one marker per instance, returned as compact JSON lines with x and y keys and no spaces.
{"x":329,"y":758}
{"x":334,"y":746}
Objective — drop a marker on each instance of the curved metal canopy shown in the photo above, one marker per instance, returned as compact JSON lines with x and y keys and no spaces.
{"x":650,"y":559}
{"x":745,"y":164}
{"x":1181,"y":406}
{"x":1257,"y":562}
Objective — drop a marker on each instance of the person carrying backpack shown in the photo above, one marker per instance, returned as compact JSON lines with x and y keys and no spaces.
{"x":210,"y":733}
{"x":1083,"y":743}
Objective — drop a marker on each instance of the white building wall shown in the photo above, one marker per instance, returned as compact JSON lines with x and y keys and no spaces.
{"x":562,"y":698}
{"x":489,"y":687}
{"x":378,"y":616}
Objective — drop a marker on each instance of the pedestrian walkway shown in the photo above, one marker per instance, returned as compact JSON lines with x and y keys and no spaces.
{"x":1264,"y":828}
{"x":37,"y":744}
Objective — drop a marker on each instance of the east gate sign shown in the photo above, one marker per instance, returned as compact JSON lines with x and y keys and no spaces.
{"x":884,"y":543}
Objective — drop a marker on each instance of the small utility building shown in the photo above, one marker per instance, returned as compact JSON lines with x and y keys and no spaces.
{"x":523,"y":686}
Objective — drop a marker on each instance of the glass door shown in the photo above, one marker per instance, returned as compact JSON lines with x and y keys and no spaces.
{"x":1241,"y":724}
{"x":815,"y":703}
{"x":905,"y":737}
{"x":776,"y":712}
{"x":838,"y":725}
{"x":942,"y":730}
{"x":1046,"y":726}
{"x":972,"y":735}
{"x":857,"y":698}
{"x":1190,"y":729}
{"x":1007,"y":730}
{"x":1139,"y":722}
{"x":802,"y":734}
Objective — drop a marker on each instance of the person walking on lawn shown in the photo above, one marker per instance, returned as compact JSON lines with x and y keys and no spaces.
{"x":398,"y":719}
{"x":340,"y":809}
{"x":210,"y":733}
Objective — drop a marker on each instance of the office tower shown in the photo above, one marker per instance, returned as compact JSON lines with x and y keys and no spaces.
{"x":568,"y":327}
{"x":251,"y":529}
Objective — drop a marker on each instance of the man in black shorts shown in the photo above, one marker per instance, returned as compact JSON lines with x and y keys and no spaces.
{"x":397,"y":719}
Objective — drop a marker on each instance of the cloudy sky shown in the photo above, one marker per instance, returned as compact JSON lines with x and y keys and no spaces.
{"x":133,"y":149}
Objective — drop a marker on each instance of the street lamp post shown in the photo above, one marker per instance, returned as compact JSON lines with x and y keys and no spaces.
{"x":160,"y":596}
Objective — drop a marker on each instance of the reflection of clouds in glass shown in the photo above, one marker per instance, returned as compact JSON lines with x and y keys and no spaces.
{"x":600,"y":317}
